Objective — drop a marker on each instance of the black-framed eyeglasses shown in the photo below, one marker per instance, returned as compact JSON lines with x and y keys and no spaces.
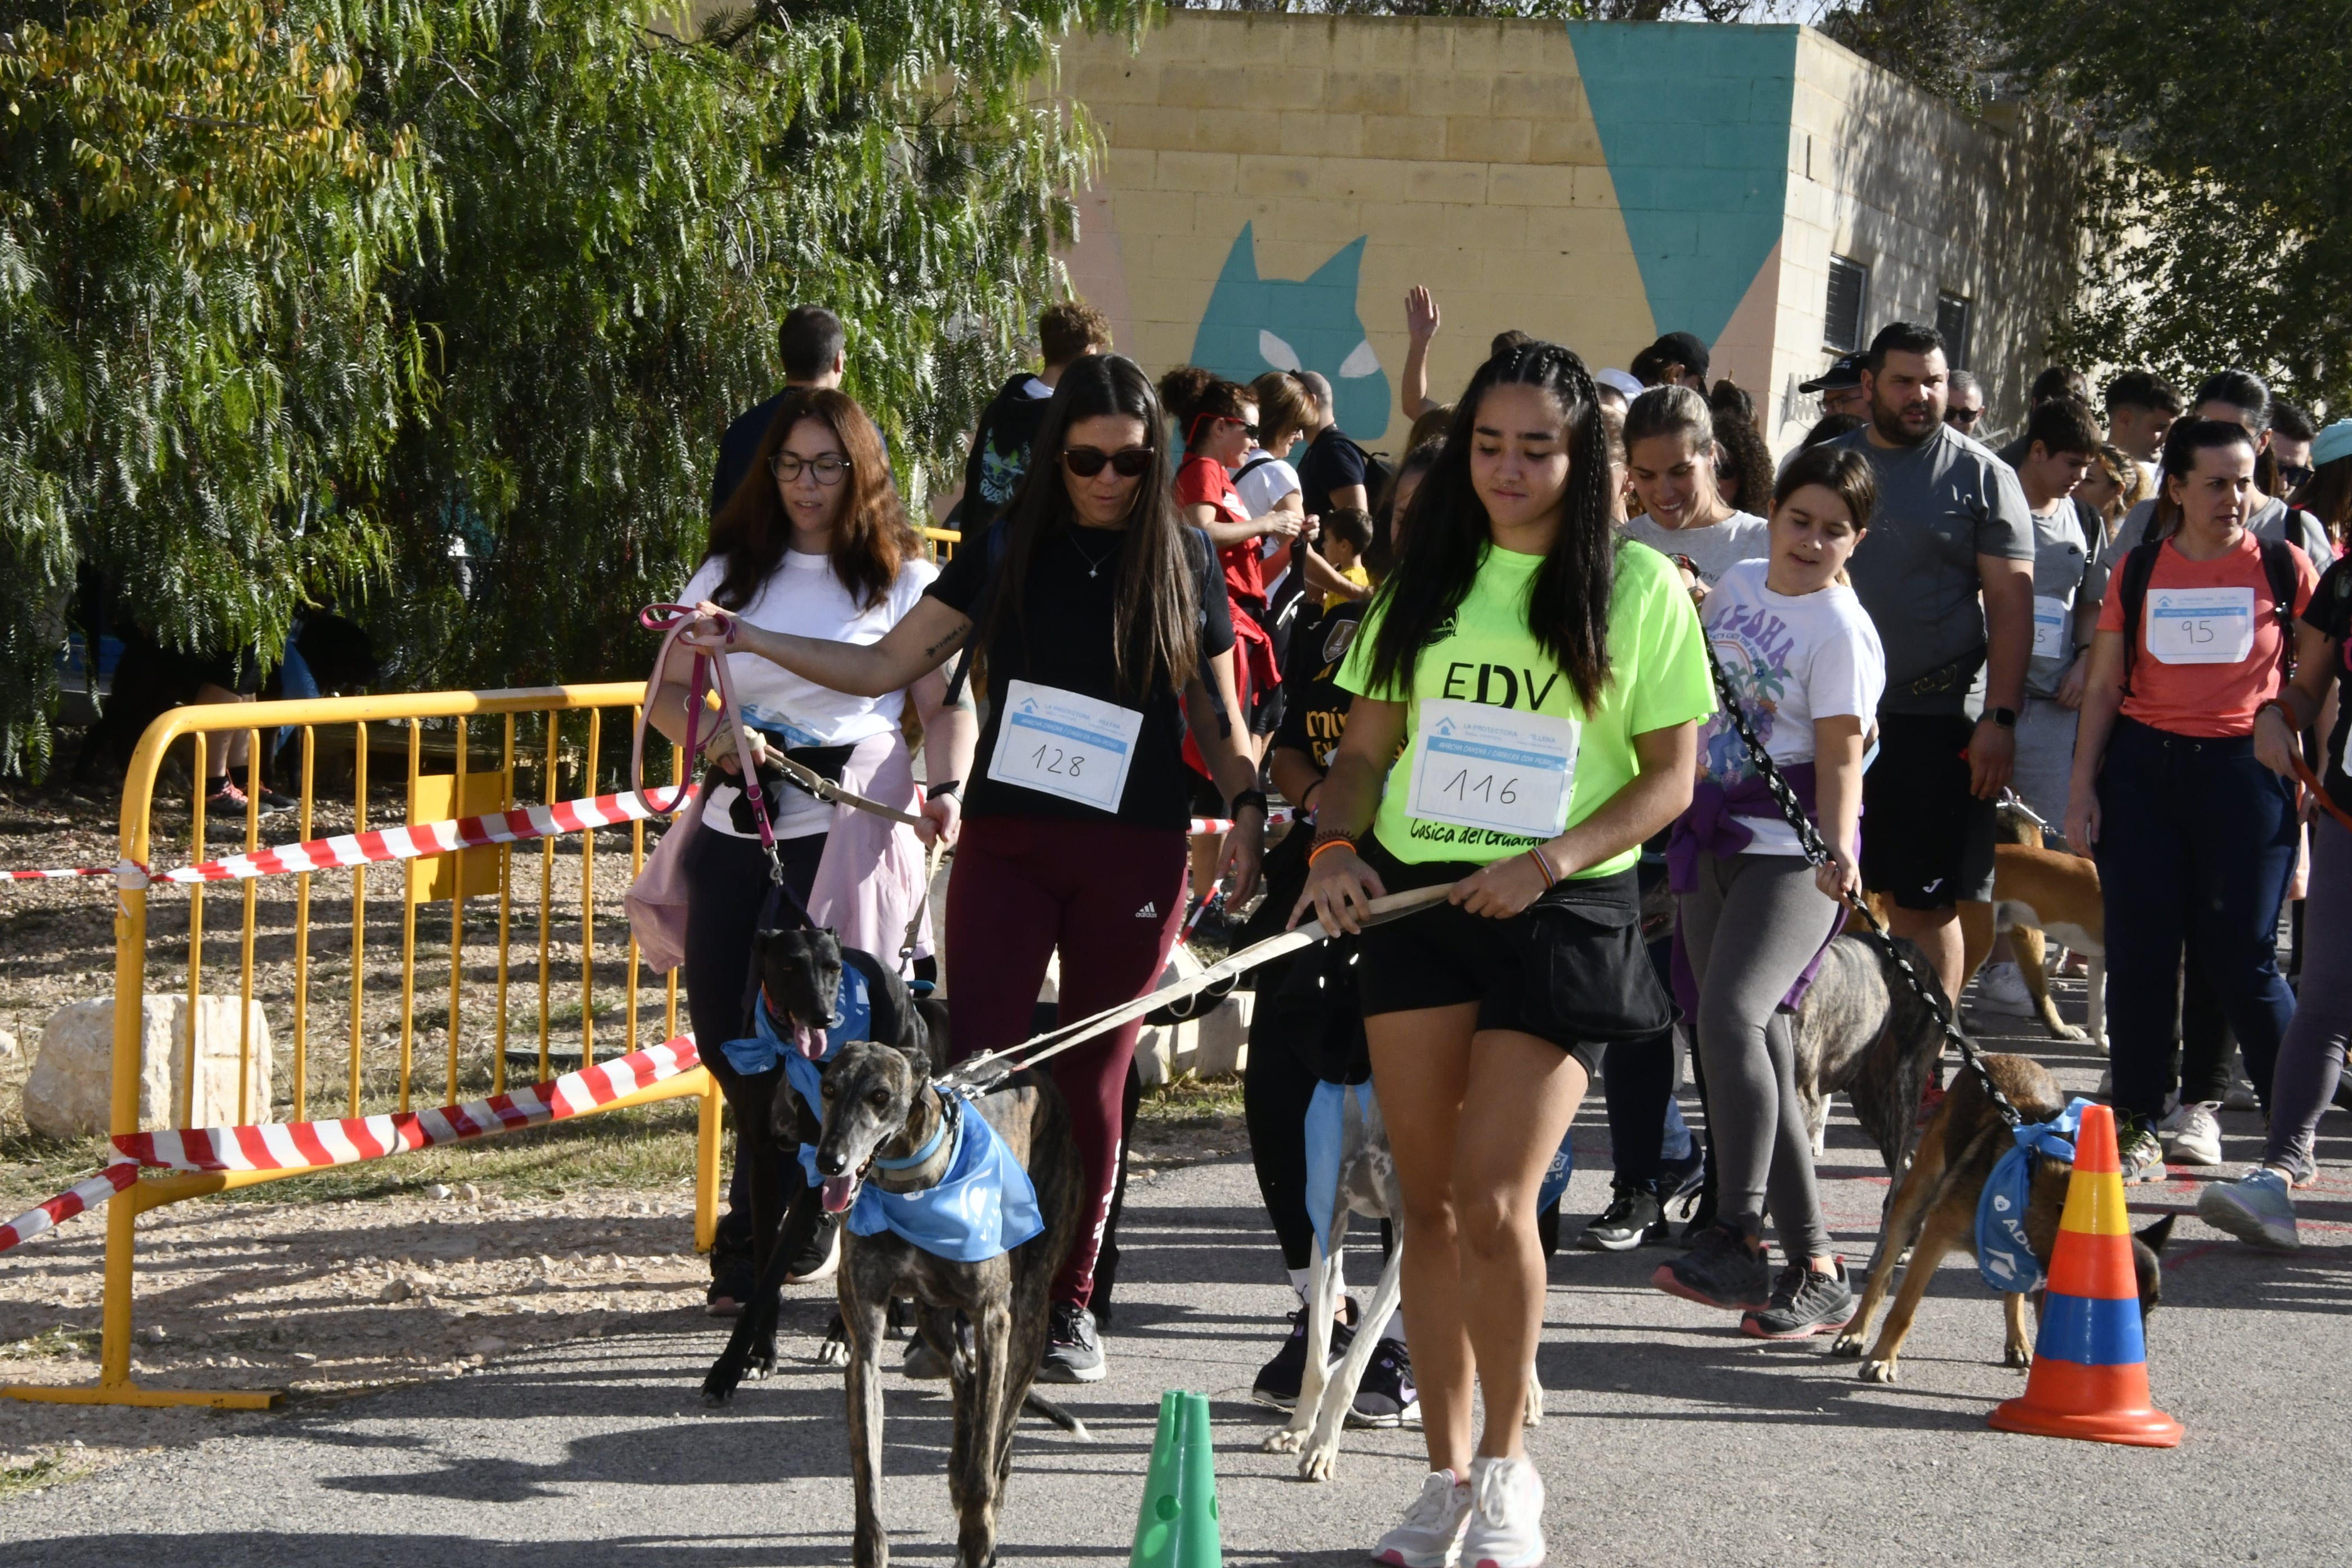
{"x":1962,"y":416}
{"x":828,"y":468}
{"x":1127,"y":462}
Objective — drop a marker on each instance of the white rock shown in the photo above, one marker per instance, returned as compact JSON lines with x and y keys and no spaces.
{"x":7,"y":1043}
{"x":395,"y":1290}
{"x":437,"y":1192}
{"x":468,"y":1194}
{"x":69,"y":1093}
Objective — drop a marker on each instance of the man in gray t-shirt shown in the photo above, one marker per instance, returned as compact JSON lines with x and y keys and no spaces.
{"x":1946,"y":574}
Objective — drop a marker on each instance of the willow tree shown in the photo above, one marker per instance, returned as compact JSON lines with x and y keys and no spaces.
{"x":621,"y":217}
{"x":297,"y":295}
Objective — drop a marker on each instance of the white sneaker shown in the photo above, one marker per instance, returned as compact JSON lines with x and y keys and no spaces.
{"x":2192,"y":1134}
{"x":2255,"y":1208}
{"x":1431,"y":1535}
{"x":2000,"y":988}
{"x":1506,"y":1516}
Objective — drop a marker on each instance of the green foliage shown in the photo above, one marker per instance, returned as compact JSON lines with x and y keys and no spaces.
{"x":191,"y":222}
{"x":295,"y":293}
{"x":2225,"y":214}
{"x":2215,"y":146}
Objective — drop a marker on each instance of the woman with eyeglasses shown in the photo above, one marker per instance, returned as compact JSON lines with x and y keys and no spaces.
{"x":814,"y":540}
{"x":1101,"y":623}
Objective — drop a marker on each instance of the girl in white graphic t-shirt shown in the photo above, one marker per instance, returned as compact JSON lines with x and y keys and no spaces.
{"x":1805,"y":662}
{"x":815,"y":542}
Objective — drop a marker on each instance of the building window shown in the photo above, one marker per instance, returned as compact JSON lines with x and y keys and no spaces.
{"x":1841,"y":323}
{"x":1954,"y":316}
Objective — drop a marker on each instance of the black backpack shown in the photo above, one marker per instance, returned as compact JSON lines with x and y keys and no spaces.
{"x":2278,"y":568}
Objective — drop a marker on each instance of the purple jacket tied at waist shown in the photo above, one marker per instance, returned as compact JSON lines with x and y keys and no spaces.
{"x":1713,"y":826}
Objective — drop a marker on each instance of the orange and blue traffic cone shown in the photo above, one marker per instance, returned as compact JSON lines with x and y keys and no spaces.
{"x":2089,"y":1361}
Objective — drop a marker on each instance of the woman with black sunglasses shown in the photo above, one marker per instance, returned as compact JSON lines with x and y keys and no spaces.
{"x":1102,"y":626}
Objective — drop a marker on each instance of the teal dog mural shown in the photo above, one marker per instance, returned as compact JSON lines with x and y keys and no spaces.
{"x":1255,"y":324}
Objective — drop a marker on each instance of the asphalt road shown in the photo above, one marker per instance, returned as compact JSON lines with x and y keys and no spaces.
{"x":1670,"y":1438}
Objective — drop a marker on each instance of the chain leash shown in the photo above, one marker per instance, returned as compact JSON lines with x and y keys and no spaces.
{"x":1809,"y":840}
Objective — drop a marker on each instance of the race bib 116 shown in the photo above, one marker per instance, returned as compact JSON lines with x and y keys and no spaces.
{"x":1507,"y":771}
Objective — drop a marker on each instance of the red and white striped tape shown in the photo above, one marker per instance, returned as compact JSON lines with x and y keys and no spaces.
{"x":315,"y":1145}
{"x":379,"y":845}
{"x":1225,"y":823}
{"x":117,"y":1177}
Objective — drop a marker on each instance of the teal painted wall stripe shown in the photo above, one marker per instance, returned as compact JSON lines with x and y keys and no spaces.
{"x":1693,"y":120}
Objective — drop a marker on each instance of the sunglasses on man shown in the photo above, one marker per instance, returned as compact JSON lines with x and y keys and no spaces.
{"x":1127,"y":462}
{"x":1962,"y":417}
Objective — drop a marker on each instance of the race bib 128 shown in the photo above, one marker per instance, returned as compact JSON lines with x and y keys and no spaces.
{"x":1507,"y":771}
{"x":1078,"y":748}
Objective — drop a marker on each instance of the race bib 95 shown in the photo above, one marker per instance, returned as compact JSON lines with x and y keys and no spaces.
{"x":2200,"y":625}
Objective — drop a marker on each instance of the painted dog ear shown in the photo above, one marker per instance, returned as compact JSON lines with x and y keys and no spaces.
{"x":2159,"y":1235}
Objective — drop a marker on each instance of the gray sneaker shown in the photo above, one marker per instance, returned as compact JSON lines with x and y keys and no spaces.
{"x":1073,"y":1354}
{"x":2141,"y":1155}
{"x":1803,"y":1304}
{"x":1721,"y":1269}
{"x":2255,"y":1208}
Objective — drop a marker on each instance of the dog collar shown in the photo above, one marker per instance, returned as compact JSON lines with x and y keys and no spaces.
{"x":930,"y":1149}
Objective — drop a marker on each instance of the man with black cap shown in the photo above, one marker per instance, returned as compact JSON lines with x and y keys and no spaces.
{"x":1840,"y":386}
{"x":1679,"y":359}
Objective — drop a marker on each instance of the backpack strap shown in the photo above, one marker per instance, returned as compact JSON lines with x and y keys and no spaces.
{"x":995,"y":544}
{"x":2139,"y":566}
{"x":1253,"y":466}
{"x":2278,"y":567}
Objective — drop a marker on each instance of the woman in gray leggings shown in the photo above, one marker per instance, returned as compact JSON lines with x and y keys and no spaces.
{"x":1805,"y":665}
{"x":2257,"y":1208}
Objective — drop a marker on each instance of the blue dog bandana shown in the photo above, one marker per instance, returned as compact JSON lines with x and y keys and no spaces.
{"x":983,"y":1206}
{"x":852,"y":1020}
{"x":2004,"y":1257}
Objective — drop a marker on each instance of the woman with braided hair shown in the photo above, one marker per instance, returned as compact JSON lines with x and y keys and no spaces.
{"x":1527,"y":691}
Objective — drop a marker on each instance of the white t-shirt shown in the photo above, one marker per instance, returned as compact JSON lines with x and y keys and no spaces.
{"x":1263,"y":485}
{"x":1791,"y":661}
{"x":1742,"y":536}
{"x":803,"y":597}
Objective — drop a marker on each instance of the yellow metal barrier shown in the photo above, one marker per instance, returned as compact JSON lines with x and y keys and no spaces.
{"x":483,"y":872}
{"x":947,"y":539}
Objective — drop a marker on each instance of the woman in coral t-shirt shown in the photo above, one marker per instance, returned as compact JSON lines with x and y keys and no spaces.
{"x":2194,"y":837}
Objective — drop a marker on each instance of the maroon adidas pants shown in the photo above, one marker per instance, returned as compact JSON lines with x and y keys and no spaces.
{"x":1111,"y":899}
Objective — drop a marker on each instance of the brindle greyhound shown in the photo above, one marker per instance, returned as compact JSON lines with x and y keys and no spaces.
{"x":988,"y":1319}
{"x":1935,"y":1209}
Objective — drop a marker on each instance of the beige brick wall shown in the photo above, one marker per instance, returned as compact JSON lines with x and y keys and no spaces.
{"x":1464,"y":151}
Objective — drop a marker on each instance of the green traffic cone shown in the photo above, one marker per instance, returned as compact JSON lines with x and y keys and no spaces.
{"x":1177,"y":1525}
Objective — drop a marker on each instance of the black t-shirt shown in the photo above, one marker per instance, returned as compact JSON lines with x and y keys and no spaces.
{"x":2330,"y":612}
{"x":1066,"y":644}
{"x":1332,"y":462}
{"x":1000,"y":451}
{"x":1314,"y":704}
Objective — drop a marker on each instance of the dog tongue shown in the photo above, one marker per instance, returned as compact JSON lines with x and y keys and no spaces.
{"x":838,"y":1190}
{"x":809,"y":1042}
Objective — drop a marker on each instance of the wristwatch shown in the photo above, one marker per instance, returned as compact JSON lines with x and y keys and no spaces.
{"x":2004,"y":717}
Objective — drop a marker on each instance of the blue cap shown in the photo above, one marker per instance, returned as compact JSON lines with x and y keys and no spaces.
{"x":2332,"y":441}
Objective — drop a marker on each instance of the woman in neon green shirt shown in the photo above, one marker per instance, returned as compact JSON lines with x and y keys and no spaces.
{"x":1528,"y":694}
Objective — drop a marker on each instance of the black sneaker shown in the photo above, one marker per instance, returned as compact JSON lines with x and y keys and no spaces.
{"x":1634,"y":1217}
{"x":1278,"y":1380}
{"x":1073,"y":1354}
{"x":1386,"y":1397}
{"x":272,"y":802}
{"x":1681,"y":1179}
{"x":1720,"y":1270}
{"x":1701,"y":1213}
{"x":1803,"y":1304}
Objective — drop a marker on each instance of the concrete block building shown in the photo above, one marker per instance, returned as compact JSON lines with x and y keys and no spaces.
{"x":1274,"y":183}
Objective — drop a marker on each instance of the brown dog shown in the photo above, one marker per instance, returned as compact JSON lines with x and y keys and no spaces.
{"x":2039,"y":893}
{"x":1935,"y":1210}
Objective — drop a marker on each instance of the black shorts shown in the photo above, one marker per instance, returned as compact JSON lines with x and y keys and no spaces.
{"x":1570,"y":968}
{"x":1926,"y":842}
